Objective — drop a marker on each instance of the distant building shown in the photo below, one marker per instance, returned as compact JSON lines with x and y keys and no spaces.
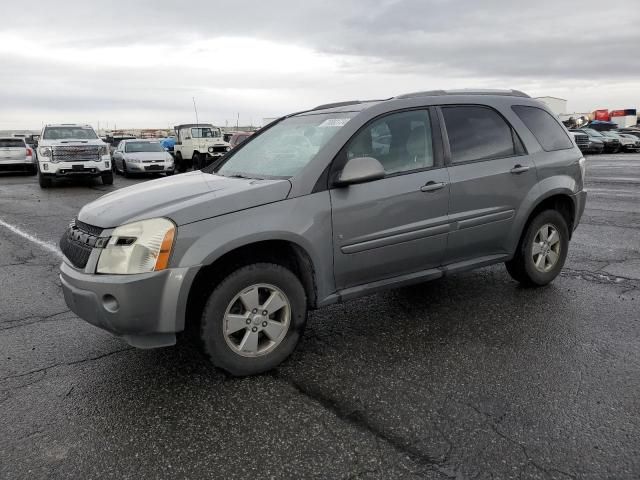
{"x":557,"y":105}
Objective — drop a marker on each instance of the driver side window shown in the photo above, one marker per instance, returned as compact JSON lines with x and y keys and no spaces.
{"x":401,"y":142}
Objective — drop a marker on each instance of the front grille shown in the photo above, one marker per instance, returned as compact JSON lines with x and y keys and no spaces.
{"x":219,"y":149}
{"x":154,"y":167}
{"x":78,"y":241}
{"x":582,"y":140}
{"x":76,"y":153}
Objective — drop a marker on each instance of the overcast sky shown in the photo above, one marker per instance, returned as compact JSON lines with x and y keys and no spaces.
{"x":139,"y":63}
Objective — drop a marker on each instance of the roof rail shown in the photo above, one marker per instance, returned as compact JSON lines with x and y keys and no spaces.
{"x":336,"y":104}
{"x":435,"y":93}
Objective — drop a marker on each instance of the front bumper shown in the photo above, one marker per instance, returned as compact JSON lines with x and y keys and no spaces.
{"x":135,"y":167}
{"x":146,"y":309}
{"x":80,"y":168}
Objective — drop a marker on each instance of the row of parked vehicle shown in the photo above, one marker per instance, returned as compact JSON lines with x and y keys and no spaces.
{"x":590,"y":140}
{"x":76,"y":150}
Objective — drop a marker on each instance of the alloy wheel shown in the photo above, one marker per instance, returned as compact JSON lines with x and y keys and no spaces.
{"x":257,"y":320}
{"x":546,"y":248}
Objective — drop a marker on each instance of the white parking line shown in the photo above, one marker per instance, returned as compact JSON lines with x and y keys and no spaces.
{"x":50,"y":247}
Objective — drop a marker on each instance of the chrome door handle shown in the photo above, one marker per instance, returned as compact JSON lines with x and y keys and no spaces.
{"x":432,"y":186}
{"x":519,"y":169}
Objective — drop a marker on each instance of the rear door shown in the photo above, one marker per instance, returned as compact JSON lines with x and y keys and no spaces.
{"x":396,"y":225}
{"x":490,"y":176}
{"x":12,"y":149}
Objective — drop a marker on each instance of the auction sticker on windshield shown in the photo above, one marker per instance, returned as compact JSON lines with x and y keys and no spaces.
{"x":334,"y":122}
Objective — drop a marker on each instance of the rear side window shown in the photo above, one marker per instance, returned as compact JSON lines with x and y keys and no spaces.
{"x":550,"y":135}
{"x":10,"y":142}
{"x":478,"y":133}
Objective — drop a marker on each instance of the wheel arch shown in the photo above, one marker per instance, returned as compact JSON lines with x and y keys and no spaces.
{"x":284,"y":252}
{"x":560,"y":199}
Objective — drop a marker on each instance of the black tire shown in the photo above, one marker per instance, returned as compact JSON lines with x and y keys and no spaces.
{"x":179,"y":162}
{"x":212,"y":336}
{"x":44,"y":182}
{"x":107,"y":178}
{"x":32,"y":170}
{"x":125,"y":172}
{"x":522,"y":267}
{"x":195,"y":160}
{"x":168,"y":173}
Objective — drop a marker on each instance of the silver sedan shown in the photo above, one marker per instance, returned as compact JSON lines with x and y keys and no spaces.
{"x":142,"y":156}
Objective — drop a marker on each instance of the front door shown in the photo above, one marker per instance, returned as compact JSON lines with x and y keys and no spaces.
{"x":396,"y":225}
{"x":490,"y":176}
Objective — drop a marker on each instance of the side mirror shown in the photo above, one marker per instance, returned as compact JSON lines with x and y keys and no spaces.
{"x":360,"y":170}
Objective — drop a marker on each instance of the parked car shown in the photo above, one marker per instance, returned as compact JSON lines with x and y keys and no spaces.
{"x":238,"y":137}
{"x":626,"y":144}
{"x":632,"y":142}
{"x":309,"y":213}
{"x":70,"y":151}
{"x":198,"y":145}
{"x":587,"y":144}
{"x":16,"y":156}
{"x":611,"y":145}
{"x":142,"y":156}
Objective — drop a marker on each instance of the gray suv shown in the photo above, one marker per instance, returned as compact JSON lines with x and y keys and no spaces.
{"x":323,"y":206}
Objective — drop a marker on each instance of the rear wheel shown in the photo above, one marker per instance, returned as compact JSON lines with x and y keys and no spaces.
{"x":253,"y":319}
{"x":107,"y":178}
{"x":542,"y":250}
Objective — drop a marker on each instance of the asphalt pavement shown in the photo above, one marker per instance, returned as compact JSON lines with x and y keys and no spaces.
{"x":468,"y":377}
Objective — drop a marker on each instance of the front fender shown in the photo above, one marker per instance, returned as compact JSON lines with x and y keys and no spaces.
{"x":303,"y":221}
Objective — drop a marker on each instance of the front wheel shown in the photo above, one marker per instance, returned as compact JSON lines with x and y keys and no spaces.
{"x":107,"y":178}
{"x":44,"y":182}
{"x":542,"y":250}
{"x":253,"y":319}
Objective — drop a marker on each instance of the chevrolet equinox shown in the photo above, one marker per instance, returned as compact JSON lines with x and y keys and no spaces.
{"x":324,"y":206}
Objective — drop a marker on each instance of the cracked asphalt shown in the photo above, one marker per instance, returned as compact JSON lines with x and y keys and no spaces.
{"x":469,"y":377}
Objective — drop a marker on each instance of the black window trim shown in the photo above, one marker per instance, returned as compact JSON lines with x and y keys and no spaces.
{"x":337,"y":163}
{"x":447,"y":146}
{"x":562,"y":127}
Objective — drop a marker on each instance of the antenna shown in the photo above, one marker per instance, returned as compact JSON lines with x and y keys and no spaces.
{"x":195,"y":109}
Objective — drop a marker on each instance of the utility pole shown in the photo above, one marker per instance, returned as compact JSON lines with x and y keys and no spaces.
{"x":195,"y":109}
{"x":237,"y":120}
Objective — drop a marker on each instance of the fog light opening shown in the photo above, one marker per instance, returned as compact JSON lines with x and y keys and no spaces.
{"x":110,"y":303}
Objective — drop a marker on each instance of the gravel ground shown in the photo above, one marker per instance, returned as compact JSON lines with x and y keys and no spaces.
{"x":465,"y":377}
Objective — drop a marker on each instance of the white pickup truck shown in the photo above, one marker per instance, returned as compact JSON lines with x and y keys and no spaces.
{"x":16,"y":156}
{"x":198,"y":145}
{"x":72,"y":150}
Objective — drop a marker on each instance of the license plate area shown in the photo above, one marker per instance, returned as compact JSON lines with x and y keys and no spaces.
{"x":77,"y":167}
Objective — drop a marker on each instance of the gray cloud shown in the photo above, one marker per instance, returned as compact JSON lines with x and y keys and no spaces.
{"x":380,"y":49}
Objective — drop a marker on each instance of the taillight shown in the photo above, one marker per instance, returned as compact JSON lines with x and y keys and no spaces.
{"x":29,"y":152}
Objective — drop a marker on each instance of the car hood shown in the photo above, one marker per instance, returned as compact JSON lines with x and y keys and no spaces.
{"x":184,"y":198}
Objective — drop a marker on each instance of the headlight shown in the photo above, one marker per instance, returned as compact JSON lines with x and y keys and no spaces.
{"x":131,"y":159}
{"x":103,"y":150}
{"x":228,"y":148}
{"x":210,"y":149}
{"x":45,"y":151}
{"x":138,"y":247}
